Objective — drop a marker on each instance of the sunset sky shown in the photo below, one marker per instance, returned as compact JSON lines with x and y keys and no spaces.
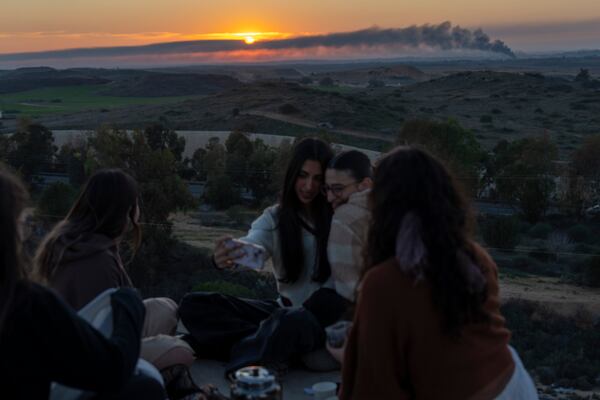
{"x":41,"y":25}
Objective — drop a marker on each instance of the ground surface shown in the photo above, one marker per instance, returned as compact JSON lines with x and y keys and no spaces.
{"x":206,"y":371}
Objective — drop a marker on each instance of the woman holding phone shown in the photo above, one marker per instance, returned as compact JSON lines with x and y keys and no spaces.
{"x":293,"y":233}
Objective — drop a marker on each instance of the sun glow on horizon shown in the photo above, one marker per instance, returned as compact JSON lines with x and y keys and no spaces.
{"x":249,"y":39}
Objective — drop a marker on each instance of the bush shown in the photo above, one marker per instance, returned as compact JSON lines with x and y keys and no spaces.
{"x":486,"y":119}
{"x":580,"y":233}
{"x":56,"y":200}
{"x":288,"y":108}
{"x":224,"y":287}
{"x":501,"y":232}
{"x":553,"y":346}
{"x":540,"y":230}
{"x":237,"y":214}
{"x":542,"y":254}
{"x":220,"y":192}
{"x":591,"y":272}
{"x":524,"y":263}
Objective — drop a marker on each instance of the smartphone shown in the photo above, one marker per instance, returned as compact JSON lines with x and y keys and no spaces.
{"x":253,"y":255}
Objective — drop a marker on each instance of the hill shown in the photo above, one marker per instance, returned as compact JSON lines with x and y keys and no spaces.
{"x":115,"y":82}
{"x":164,"y":84}
{"x":494,"y":105}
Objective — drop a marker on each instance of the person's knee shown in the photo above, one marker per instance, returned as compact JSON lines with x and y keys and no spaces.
{"x":161,"y":316}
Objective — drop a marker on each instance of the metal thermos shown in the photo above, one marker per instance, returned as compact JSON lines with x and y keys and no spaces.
{"x":255,"y":383}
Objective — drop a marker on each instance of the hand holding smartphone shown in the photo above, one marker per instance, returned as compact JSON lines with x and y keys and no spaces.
{"x":250,"y":255}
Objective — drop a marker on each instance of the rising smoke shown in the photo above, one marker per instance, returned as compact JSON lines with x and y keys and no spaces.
{"x":443,"y":36}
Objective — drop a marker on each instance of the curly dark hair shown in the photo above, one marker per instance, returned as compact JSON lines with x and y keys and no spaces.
{"x":410,"y":180}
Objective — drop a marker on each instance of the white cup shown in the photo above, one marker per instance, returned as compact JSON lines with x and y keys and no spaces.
{"x":324,"y":390}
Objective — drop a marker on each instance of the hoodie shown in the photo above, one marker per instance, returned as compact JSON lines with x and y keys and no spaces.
{"x":347,"y":238}
{"x":87,"y":268}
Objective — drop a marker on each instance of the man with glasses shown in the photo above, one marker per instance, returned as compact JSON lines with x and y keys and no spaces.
{"x":348,"y":180}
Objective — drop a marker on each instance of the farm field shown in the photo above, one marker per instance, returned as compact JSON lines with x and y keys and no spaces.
{"x":70,"y":99}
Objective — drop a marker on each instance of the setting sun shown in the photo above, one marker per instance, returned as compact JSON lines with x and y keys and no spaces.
{"x":249,"y":40}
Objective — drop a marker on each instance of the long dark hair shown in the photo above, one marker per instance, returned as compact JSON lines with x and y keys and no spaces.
{"x":410,"y":180}
{"x":290,"y":218}
{"x":13,"y":198}
{"x":106,"y":205}
{"x":354,"y":162}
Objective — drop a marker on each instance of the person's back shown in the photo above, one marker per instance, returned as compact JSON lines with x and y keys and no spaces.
{"x":47,"y":342}
{"x":400,"y":329}
{"x":87,"y":268}
{"x":42,"y":339}
{"x":428,"y":322}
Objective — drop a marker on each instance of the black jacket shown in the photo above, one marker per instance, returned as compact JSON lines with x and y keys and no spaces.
{"x":45,"y":341}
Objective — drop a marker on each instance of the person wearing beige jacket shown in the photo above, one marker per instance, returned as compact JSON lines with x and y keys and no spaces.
{"x":348,"y":182}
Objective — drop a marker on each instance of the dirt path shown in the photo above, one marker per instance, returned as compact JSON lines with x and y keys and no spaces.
{"x":311,"y":124}
{"x":563,"y":298}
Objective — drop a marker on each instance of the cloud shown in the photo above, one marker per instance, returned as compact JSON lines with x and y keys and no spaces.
{"x":443,"y":36}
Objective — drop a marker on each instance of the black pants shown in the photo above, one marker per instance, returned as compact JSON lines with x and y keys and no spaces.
{"x":138,"y":387}
{"x":245,"y":331}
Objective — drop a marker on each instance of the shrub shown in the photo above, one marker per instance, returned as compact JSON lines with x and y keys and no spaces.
{"x":56,"y":200}
{"x":553,"y":346}
{"x":501,"y":232}
{"x":236,"y":214}
{"x":540,"y":230}
{"x":224,"y":287}
{"x":542,"y":254}
{"x":524,"y":263}
{"x":580,"y":233}
{"x":288,"y":108}
{"x":591,"y":272}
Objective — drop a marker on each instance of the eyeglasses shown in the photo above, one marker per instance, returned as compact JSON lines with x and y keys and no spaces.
{"x":336,"y":190}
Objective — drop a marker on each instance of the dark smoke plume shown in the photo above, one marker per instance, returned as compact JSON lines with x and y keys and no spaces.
{"x":443,"y":36}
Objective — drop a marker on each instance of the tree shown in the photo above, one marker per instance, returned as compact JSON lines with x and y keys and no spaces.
{"x":262,"y":166}
{"x":583,"y":75}
{"x":326,"y":81}
{"x":197,"y":161}
{"x":523,"y":174}
{"x":582,"y":187}
{"x":73,"y":156}
{"x":56,"y":201}
{"x":220,"y":192}
{"x":449,"y":141}
{"x":30,"y":150}
{"x":160,"y":138}
{"x":239,"y":150}
{"x":162,"y":190}
{"x":215,"y":158}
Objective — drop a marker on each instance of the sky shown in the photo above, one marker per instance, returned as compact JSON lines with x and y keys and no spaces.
{"x":531,"y":26}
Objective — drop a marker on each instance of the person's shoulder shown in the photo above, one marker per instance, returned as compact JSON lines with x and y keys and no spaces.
{"x":268,"y":219}
{"x":383,"y":276}
{"x":354,"y":209}
{"x":34,"y":295}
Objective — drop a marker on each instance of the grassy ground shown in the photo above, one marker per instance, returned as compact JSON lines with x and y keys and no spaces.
{"x":62,"y":100}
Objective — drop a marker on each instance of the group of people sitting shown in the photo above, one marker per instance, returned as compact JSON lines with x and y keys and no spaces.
{"x":389,"y":248}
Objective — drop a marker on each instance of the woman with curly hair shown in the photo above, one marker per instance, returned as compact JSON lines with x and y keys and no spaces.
{"x":428,"y":322}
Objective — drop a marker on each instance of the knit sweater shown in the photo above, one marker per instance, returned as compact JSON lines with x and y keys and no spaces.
{"x":347,"y":238}
{"x":396,"y":348}
{"x":264,"y":233}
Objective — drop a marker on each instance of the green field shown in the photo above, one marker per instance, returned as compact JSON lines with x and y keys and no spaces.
{"x":64,"y":100}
